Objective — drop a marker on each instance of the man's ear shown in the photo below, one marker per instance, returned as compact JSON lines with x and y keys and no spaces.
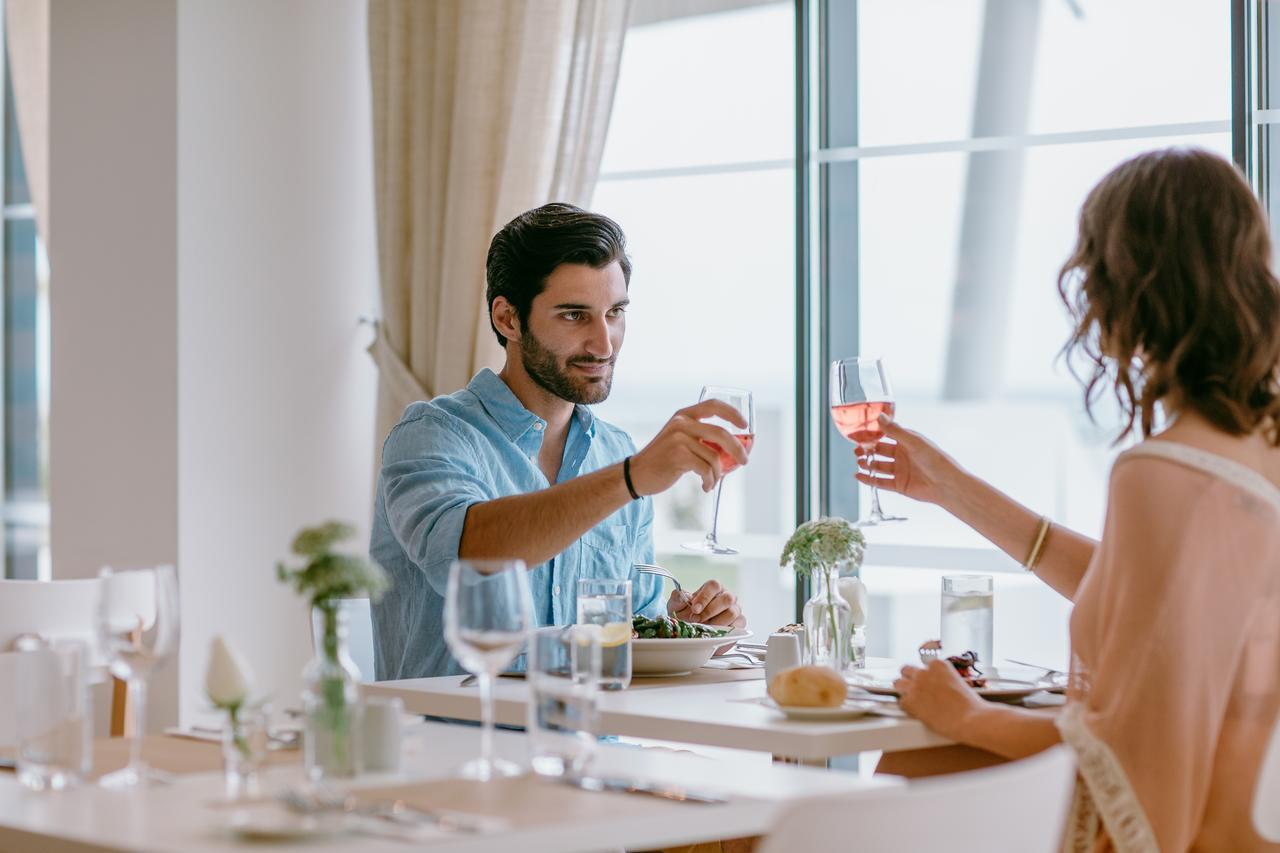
{"x":504,"y":317}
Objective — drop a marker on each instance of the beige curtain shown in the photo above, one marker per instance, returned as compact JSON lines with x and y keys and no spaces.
{"x":27,"y":34}
{"x":481,"y":109}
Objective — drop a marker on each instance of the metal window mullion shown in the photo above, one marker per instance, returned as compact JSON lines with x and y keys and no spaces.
{"x":5,"y":567}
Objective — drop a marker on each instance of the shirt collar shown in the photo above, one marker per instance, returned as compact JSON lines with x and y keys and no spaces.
{"x":511,"y":415}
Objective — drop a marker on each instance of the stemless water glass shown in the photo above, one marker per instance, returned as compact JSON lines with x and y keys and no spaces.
{"x":967,"y":616}
{"x":488,"y":611}
{"x":860,"y":394}
{"x":52,"y":714}
{"x":742,"y":401}
{"x":137,"y":623}
{"x":564,"y":675}
{"x":607,"y":602}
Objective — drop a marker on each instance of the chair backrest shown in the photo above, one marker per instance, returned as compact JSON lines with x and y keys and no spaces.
{"x":1017,"y":806}
{"x":1266,"y":796}
{"x":359,"y":634}
{"x":51,"y":609}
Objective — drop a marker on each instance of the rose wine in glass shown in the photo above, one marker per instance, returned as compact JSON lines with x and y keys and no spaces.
{"x":742,"y":401}
{"x":860,"y":394}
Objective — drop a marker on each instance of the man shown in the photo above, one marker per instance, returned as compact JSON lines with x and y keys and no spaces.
{"x":516,"y":465}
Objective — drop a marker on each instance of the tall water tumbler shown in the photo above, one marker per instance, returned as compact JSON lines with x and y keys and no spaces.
{"x":607,"y":602}
{"x":564,"y":677}
{"x":967,"y":616}
{"x":52,"y":715}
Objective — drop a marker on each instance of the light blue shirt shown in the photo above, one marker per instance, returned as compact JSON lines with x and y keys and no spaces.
{"x":477,"y":445}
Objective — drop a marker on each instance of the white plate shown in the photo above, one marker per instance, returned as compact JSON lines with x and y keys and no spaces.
{"x":881,"y":682}
{"x":275,"y":824}
{"x":659,"y":657}
{"x":847,"y":711}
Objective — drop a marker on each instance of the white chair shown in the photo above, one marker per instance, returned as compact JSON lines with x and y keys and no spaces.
{"x":359,"y":634}
{"x":1266,"y":796}
{"x":1017,"y":806}
{"x":55,"y":610}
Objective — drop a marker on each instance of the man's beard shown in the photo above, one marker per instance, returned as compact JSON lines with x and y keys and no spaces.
{"x":544,"y":368}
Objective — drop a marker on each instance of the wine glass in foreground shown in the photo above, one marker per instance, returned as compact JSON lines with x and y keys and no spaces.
{"x":742,"y":401}
{"x":488,"y":612}
{"x":137,"y":626}
{"x":860,"y":394}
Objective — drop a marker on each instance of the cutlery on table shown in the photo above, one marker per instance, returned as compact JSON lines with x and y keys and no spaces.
{"x":395,"y":811}
{"x":628,"y":786}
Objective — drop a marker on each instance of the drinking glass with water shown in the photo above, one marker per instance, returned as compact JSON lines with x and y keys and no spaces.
{"x":607,"y":602}
{"x":967,"y":616}
{"x":53,"y":720}
{"x":564,"y":676}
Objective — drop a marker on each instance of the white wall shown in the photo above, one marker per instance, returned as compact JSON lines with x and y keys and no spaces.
{"x":113,"y":304}
{"x":276,"y":261}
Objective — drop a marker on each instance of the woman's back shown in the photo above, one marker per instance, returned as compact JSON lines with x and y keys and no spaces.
{"x":1176,"y":645}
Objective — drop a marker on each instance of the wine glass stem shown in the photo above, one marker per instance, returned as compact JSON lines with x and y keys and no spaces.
{"x":876,"y":512}
{"x":715,"y":513}
{"x":486,"y":718}
{"x":137,"y":692}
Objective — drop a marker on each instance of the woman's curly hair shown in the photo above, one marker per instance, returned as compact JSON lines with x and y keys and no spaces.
{"x":1171,"y":290}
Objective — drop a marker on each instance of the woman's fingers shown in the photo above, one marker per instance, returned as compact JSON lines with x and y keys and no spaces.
{"x":878,"y":467}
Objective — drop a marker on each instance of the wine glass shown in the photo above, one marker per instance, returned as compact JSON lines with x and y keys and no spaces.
{"x":488,"y":613}
{"x":742,"y":401}
{"x":137,"y":627}
{"x":860,"y":394}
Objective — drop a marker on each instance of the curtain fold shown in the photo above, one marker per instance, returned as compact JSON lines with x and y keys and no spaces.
{"x":27,"y":37}
{"x":482,"y":109}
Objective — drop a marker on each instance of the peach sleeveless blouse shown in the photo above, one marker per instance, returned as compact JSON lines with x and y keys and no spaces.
{"x":1175,"y":656}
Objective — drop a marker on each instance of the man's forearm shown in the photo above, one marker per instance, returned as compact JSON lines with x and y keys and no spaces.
{"x":537,"y":526}
{"x":1012,"y":527}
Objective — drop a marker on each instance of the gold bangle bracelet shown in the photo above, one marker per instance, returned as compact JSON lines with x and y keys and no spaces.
{"x":1041,"y":534}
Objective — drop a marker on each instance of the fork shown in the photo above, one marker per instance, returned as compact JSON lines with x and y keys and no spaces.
{"x":396,"y":811}
{"x":650,"y":569}
{"x":930,"y":652}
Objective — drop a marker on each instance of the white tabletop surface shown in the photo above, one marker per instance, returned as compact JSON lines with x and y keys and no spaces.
{"x":719,"y":715}
{"x":188,"y":815}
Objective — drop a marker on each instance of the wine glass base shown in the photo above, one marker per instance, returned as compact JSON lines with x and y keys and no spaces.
{"x":706,"y":546}
{"x":141,"y":776}
{"x":482,"y":769}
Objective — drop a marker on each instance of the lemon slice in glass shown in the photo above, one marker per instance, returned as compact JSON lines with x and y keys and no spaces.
{"x":615,"y":634}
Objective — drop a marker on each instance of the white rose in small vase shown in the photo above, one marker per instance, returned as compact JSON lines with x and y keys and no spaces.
{"x":227,"y":683}
{"x":854,"y":591}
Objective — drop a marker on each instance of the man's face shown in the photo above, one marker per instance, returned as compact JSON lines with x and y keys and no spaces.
{"x":574,"y":331}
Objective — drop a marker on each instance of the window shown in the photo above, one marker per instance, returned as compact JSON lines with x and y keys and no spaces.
{"x":699,"y":171}
{"x":951,"y":146}
{"x":24,"y":368}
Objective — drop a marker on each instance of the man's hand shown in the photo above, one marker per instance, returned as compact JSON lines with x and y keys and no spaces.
{"x":712,"y":604}
{"x":688,"y":444}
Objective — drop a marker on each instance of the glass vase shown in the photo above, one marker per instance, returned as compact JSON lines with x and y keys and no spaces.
{"x":828,"y":622}
{"x":244,"y":749}
{"x":331,"y":701}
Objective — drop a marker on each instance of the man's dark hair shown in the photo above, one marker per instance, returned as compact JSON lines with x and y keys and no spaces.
{"x":529,"y":248}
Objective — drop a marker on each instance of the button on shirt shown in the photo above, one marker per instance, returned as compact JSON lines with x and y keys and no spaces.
{"x":478,"y":445}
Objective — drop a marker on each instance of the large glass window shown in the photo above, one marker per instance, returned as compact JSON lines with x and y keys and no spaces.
{"x":24,"y":367}
{"x":699,"y":171}
{"x":953,"y":142}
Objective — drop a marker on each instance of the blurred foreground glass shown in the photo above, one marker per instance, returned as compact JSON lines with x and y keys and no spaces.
{"x":564,"y":676}
{"x":137,"y":623}
{"x":607,"y":602}
{"x":53,"y":718}
{"x":488,"y":611}
{"x":967,"y":616}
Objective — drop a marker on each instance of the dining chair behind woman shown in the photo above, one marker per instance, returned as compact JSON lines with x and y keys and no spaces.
{"x":1018,"y":806}
{"x":1266,"y":796}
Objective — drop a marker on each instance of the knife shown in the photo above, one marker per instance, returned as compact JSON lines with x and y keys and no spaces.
{"x":628,"y":786}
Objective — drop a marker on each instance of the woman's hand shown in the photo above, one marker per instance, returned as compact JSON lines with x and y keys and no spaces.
{"x":910,"y":465}
{"x":938,"y":697}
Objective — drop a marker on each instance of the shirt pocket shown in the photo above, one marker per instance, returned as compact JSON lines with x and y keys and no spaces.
{"x":608,"y":551}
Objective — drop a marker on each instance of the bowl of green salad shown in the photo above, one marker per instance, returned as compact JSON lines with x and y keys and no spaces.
{"x":670,"y":646}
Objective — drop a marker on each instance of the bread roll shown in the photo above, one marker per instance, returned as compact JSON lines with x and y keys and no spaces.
{"x":808,"y":687}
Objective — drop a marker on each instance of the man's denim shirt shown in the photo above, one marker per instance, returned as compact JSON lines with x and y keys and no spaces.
{"x":477,"y":445}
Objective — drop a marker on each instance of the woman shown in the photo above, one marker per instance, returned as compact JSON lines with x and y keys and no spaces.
{"x":1175,"y":635}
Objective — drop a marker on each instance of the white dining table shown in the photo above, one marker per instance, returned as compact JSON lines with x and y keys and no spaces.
{"x":190,"y":814}
{"x":729,"y":715}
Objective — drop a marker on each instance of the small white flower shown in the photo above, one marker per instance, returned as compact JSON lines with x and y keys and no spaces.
{"x":854,"y":591}
{"x":227,"y":679}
